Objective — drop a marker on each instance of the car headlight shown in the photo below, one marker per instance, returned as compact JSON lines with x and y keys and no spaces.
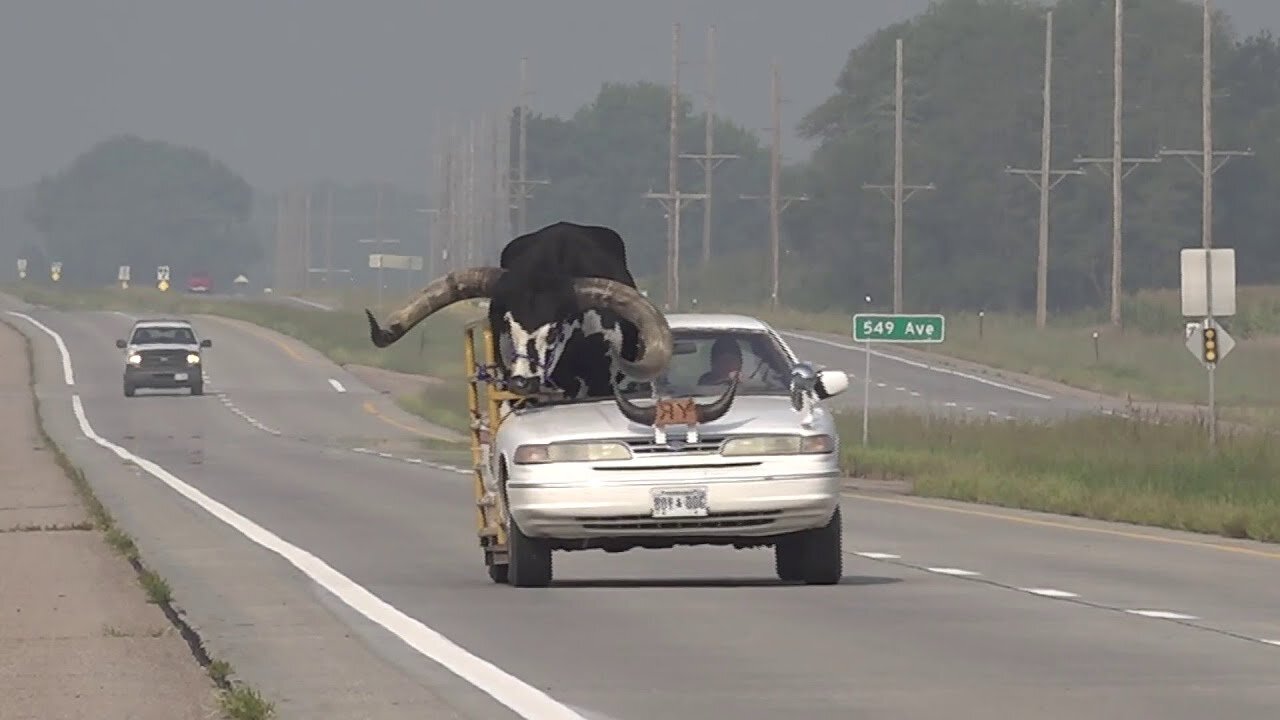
{"x":779,"y":445}
{"x":571,"y":452}
{"x":193,"y":359}
{"x":135,"y":359}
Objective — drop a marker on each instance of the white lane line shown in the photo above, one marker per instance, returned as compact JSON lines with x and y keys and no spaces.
{"x":951,"y":404}
{"x":337,"y":385}
{"x":67,"y":374}
{"x":1272,"y":642}
{"x":951,"y":571}
{"x":1049,"y":592}
{"x":525,"y":700}
{"x":993,"y":413}
{"x":1162,"y":614}
{"x":922,"y":366}
{"x":879,"y":556}
{"x":915,"y":394}
{"x":900,"y":389}
{"x":880,"y":384}
{"x":125,"y":315}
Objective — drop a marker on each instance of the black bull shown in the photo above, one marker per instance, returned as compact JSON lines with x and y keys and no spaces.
{"x":565,"y":303}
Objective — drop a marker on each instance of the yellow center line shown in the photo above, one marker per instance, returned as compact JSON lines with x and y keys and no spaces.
{"x":1271,"y":555}
{"x":369,"y":408}
{"x":264,"y":335}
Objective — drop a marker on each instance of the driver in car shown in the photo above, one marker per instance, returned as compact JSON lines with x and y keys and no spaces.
{"x":726,"y":362}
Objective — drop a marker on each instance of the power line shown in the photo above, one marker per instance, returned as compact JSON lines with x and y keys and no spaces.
{"x":1041,"y":178}
{"x":900,"y":194}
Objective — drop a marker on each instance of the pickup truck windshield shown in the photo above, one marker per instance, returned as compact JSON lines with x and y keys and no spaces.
{"x":703,"y":359}
{"x":158,"y":335}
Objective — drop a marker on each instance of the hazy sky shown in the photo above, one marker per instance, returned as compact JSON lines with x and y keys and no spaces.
{"x":293,"y":90}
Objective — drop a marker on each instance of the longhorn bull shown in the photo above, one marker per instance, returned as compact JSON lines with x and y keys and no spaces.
{"x":565,"y":310}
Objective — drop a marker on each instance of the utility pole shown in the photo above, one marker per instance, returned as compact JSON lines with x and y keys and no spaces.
{"x":1116,"y":162}
{"x":673,"y":200}
{"x":708,"y":158}
{"x":523,"y":183}
{"x":306,"y":240}
{"x":900,"y":190}
{"x":377,"y":234}
{"x":1043,"y":183}
{"x":328,"y":240}
{"x":1207,"y":167}
{"x":777,"y":204}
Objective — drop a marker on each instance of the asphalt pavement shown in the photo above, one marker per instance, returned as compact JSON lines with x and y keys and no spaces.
{"x":350,"y":584}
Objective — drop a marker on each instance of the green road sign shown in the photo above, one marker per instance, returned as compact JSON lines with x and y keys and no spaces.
{"x":899,"y":328}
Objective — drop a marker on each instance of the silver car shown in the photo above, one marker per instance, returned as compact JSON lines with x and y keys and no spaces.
{"x":578,"y":475}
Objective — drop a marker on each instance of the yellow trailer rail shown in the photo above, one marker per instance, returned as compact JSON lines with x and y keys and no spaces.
{"x":485,"y":412}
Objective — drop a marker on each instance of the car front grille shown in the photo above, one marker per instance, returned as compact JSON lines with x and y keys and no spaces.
{"x":676,"y":444}
{"x":163,"y":359}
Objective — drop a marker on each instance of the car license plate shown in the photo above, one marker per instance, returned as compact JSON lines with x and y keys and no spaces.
{"x":179,"y":377}
{"x":691,"y":502}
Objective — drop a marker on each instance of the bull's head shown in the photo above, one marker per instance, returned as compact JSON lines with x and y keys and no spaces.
{"x":533,"y":312}
{"x":646,"y":415}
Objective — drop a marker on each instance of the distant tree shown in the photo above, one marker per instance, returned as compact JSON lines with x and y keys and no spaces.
{"x":129,"y":201}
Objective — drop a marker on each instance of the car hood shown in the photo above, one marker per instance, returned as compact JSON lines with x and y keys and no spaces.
{"x":189,"y":347}
{"x":749,"y":414}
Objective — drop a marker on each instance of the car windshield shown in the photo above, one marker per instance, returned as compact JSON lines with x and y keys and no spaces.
{"x":702,"y":360}
{"x":157,"y":335}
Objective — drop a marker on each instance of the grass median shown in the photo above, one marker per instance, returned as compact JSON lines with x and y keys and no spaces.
{"x":1101,"y":467}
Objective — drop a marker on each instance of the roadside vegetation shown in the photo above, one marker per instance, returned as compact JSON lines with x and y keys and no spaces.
{"x":1102,"y":467}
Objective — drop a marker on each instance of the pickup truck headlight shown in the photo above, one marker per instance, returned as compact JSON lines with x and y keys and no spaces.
{"x":779,"y":445}
{"x":571,"y":452}
{"x":193,"y":359}
{"x":135,"y":359}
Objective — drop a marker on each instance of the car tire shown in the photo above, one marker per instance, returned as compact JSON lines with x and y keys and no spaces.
{"x":128,"y":390}
{"x":822,"y":554}
{"x":788,"y":559}
{"x":499,"y":573}
{"x":197,"y":388}
{"x":528,"y":559}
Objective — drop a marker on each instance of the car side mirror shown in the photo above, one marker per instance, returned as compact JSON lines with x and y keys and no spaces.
{"x":121,"y":344}
{"x":831,"y":383}
{"x":206,"y":343}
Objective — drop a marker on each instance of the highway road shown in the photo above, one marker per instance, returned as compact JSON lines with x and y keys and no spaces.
{"x":900,"y":381}
{"x":348,"y":584}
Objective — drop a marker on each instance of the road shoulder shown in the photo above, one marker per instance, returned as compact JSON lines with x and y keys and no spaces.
{"x":80,"y":638}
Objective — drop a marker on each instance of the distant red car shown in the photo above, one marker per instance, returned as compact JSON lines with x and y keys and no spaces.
{"x":199,"y":282}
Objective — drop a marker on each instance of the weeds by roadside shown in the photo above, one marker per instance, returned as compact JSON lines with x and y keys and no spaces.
{"x":238,"y":702}
{"x":1104,"y":467}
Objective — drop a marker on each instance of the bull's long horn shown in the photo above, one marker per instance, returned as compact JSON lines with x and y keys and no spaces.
{"x":655,"y":334}
{"x":440,"y":293}
{"x":633,"y":412}
{"x":716,"y":409}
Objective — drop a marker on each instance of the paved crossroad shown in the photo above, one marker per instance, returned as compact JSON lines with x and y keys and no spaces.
{"x":946,"y":609}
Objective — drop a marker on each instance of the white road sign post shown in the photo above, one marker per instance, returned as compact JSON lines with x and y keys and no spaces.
{"x":1209,"y":291}
{"x":123,"y":277}
{"x":162,"y":277}
{"x":22,"y":268}
{"x":55,"y":270}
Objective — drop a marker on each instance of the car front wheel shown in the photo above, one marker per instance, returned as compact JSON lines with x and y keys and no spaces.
{"x":821,"y":554}
{"x":528,"y":558}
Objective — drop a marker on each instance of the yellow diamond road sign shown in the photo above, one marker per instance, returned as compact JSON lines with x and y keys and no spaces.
{"x":164,"y":285}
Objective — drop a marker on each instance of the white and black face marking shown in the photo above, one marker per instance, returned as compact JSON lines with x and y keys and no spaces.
{"x":533,"y":354}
